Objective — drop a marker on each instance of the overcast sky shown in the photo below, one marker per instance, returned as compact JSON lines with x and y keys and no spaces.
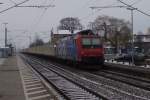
{"x":25,"y":22}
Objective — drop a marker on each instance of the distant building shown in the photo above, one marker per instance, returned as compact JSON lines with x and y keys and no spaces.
{"x":61,"y":34}
{"x":5,"y":52}
{"x":144,"y":38}
{"x":142,"y":41}
{"x":57,"y":37}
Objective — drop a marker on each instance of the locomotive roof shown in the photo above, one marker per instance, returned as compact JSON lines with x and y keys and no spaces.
{"x":86,"y":32}
{"x":73,"y":36}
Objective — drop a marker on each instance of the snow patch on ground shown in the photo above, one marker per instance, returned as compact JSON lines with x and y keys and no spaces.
{"x":125,"y":63}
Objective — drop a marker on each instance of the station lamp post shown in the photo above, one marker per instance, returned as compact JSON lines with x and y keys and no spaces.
{"x":5,"y":34}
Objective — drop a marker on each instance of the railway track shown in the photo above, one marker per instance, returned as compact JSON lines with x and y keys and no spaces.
{"x":121,"y":87}
{"x":35,"y":87}
{"x":71,"y":87}
{"x":137,"y":81}
{"x":140,"y":82}
{"x":118,"y":90}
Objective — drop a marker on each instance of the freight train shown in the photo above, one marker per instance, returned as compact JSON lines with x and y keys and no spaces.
{"x":82,"y":47}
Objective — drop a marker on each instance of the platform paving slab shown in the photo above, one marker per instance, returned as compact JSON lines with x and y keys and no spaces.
{"x":10,"y":80}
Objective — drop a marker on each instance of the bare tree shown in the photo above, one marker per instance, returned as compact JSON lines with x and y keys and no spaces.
{"x":37,"y":42}
{"x":117,"y":31}
{"x":70,"y":24}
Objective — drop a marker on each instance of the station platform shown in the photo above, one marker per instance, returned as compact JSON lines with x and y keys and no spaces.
{"x":10,"y":80}
{"x":19,"y":82}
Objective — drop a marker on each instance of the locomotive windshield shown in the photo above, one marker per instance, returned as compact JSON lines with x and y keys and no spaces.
{"x":91,"y":42}
{"x":95,"y":41}
{"x":86,"y":41}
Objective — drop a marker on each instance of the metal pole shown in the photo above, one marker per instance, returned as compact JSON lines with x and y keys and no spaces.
{"x":105,"y":29}
{"x":132,"y":33}
{"x":5,"y":34}
{"x":132,"y":37}
{"x":29,"y":40}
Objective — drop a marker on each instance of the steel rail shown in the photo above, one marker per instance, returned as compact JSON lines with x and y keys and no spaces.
{"x":85,"y":92}
{"x":120,"y":94}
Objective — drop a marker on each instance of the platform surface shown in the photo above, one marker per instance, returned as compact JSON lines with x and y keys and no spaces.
{"x":10,"y":80}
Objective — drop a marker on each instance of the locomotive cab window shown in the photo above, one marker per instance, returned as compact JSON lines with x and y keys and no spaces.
{"x":86,"y":41}
{"x":96,"y":41}
{"x":90,"y":42}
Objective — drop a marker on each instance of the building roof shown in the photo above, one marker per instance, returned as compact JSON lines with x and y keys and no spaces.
{"x":143,"y":35}
{"x":144,"y":38}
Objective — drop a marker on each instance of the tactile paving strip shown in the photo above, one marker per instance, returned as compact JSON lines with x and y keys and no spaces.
{"x":33,"y":87}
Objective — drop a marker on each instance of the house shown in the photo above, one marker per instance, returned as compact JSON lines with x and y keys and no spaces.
{"x":142,"y":41}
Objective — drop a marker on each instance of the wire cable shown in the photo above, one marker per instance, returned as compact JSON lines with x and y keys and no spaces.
{"x":130,"y":6}
{"x":41,"y":16}
{"x":92,"y":14}
{"x":13,"y":6}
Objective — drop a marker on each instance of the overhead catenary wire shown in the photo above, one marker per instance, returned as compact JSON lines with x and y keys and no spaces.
{"x":108,"y":7}
{"x":130,"y":6}
{"x":41,"y":16}
{"x":38,"y":6}
{"x":32,"y":6}
{"x":35,"y":24}
{"x":91,"y":14}
{"x":13,"y":6}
